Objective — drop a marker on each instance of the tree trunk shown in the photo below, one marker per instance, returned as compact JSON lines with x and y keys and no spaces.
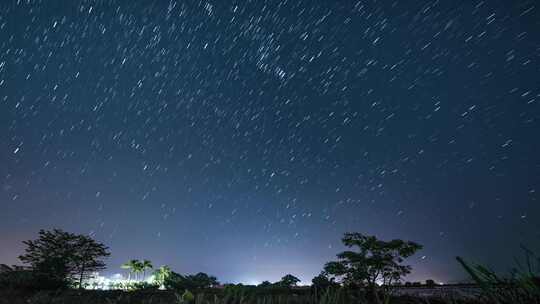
{"x":81,"y":277}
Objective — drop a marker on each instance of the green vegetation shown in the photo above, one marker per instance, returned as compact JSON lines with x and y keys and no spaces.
{"x":178,"y":282}
{"x":161,"y":275}
{"x":60,"y":264}
{"x":375,"y":262}
{"x":138,"y":269}
{"x":289,"y":281}
{"x":521,"y":286}
{"x":132,"y":267}
{"x":63,"y":258}
{"x":323,"y":282}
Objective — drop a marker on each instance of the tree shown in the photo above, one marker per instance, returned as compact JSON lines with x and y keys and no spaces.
{"x":132,"y":266}
{"x":376,"y":261}
{"x":289,"y":281}
{"x":161,"y":275}
{"x":322,"y":281}
{"x":179,"y":282}
{"x":87,"y":258}
{"x":174,"y":281}
{"x":265,"y":284}
{"x":145,"y":265}
{"x":138,"y":270}
{"x":202,"y":280}
{"x":64,"y":256}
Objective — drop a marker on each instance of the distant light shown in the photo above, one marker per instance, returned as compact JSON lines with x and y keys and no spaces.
{"x":251,"y":282}
{"x":105,"y":283}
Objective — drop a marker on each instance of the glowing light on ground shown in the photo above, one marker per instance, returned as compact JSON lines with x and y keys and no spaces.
{"x":114,"y":282}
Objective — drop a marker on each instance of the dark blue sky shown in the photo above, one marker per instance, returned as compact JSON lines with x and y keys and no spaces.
{"x":244,"y":138}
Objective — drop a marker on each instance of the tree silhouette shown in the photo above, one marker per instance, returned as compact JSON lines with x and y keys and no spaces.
{"x":265,"y":284}
{"x":203,"y":280}
{"x":289,"y":281}
{"x":133,"y":267}
{"x":200,"y":280}
{"x":145,"y":265}
{"x":64,"y":256}
{"x":322,"y":281}
{"x":375,"y":261}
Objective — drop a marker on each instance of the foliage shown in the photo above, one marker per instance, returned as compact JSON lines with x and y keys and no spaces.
{"x":202,"y":280}
{"x":265,"y":284}
{"x":179,"y":282}
{"x":142,"y":286}
{"x":144,"y":266}
{"x":64,"y":256}
{"x":289,"y":281}
{"x":186,"y":297}
{"x":28,"y":280}
{"x":522,"y":286}
{"x":137,"y":269}
{"x":375,"y":261}
{"x":322,"y":282}
{"x":132,"y":266}
{"x":161,"y":275}
{"x":292,"y":296}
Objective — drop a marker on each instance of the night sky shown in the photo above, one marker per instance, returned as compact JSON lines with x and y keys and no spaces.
{"x":243,"y":138}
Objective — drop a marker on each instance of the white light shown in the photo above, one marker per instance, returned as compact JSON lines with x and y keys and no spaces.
{"x":113,"y":282}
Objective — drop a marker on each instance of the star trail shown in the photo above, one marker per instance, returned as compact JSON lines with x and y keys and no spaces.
{"x":243,"y":138}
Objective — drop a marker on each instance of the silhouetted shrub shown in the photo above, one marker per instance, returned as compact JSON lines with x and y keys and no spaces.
{"x":30,"y":281}
{"x":323,"y":282}
{"x":180,"y":283}
{"x":520,"y":287}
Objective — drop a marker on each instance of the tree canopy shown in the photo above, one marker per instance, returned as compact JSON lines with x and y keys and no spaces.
{"x":375,"y":261}
{"x":200,"y":280}
{"x":322,"y":281}
{"x":289,"y":281}
{"x":161,"y":275}
{"x":64,"y":256}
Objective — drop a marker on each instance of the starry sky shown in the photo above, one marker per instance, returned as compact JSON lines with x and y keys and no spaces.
{"x":243,"y":138}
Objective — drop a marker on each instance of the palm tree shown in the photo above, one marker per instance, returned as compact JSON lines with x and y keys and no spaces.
{"x":138,"y":269}
{"x":145,"y":264}
{"x":161,"y":274}
{"x":132,"y":266}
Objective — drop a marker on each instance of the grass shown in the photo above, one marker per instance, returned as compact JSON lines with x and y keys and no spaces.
{"x":337,"y":296}
{"x":521,"y":287}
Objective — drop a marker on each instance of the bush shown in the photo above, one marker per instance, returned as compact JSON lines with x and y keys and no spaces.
{"x":144,"y":286}
{"x":180,"y":283}
{"x":28,"y":280}
{"x":185,"y":298}
{"x":522,"y":286}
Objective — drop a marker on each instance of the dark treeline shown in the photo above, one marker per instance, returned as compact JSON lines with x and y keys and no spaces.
{"x":368,"y":271}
